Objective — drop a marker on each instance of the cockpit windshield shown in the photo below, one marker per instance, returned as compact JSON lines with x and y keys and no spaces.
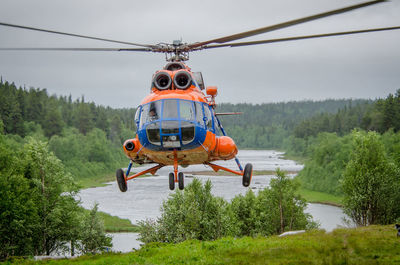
{"x":171,"y":122}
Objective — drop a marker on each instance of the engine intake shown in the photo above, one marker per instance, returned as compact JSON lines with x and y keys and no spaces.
{"x":162,"y":80}
{"x":182,"y":80}
{"x":129,"y":145}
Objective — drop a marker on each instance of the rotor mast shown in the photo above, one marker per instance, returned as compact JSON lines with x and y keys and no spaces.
{"x":177,"y":52}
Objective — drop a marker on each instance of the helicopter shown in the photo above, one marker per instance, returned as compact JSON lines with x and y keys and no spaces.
{"x":177,"y":123}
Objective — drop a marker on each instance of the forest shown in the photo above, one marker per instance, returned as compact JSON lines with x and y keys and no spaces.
{"x":326,"y":140}
{"x":87,"y":138}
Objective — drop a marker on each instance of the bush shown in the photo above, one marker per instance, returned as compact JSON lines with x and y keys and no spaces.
{"x":190,"y":214}
{"x":196,"y":214}
{"x":371,"y":182}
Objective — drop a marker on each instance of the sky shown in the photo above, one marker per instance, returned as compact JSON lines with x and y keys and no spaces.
{"x":356,"y":66}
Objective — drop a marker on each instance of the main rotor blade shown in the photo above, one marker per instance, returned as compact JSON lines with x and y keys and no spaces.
{"x":71,"y":34}
{"x":239,"y":44}
{"x":283,"y":25}
{"x":79,"y":49}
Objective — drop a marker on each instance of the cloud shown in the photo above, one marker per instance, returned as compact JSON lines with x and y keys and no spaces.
{"x":362,"y":66}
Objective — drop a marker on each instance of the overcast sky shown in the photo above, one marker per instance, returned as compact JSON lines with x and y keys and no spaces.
{"x":357,"y":66}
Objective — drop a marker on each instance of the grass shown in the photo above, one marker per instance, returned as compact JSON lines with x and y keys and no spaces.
{"x":101,"y":181}
{"x":93,"y":182}
{"x":366,"y":245}
{"x":114,"y":224}
{"x":320,"y":197}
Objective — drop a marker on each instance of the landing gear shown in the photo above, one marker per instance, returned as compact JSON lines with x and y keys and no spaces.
{"x":180,"y":181}
{"x":121,"y":180}
{"x":171,"y":181}
{"x":248,"y":172}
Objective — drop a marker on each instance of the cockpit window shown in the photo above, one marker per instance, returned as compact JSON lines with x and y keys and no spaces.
{"x":199,"y":113}
{"x":150,"y":112}
{"x":208,"y":117}
{"x":186,"y":110}
{"x":170,"y":109}
{"x":172,"y":123}
{"x":137,"y":114}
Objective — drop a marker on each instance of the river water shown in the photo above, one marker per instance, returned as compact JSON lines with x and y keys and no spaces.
{"x":145,"y":195}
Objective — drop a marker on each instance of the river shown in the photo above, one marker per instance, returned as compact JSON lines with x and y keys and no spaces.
{"x":145,"y":195}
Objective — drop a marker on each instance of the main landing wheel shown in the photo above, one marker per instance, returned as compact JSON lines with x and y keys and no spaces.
{"x":248,"y":172}
{"x":121,"y":180}
{"x":180,"y":181}
{"x":171,"y":181}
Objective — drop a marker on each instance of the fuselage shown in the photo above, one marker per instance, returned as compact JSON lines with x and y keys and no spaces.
{"x":181,"y":121}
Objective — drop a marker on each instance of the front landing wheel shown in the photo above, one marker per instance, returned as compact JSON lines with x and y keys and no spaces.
{"x":180,"y":181}
{"x":171,"y":181}
{"x":121,"y":180}
{"x":248,"y":172}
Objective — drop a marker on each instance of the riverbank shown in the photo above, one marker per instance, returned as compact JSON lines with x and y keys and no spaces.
{"x":112,"y":224}
{"x":226,"y":187}
{"x":225,"y":173}
{"x":363,"y":245}
{"x":320,"y":197}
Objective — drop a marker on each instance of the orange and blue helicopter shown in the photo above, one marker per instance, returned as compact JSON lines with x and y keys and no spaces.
{"x":176,"y":123}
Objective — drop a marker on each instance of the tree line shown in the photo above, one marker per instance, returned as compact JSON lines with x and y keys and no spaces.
{"x":86,"y":137}
{"x":380,"y":116}
{"x":268,"y":125}
{"x":354,"y":153}
{"x":39,"y":214}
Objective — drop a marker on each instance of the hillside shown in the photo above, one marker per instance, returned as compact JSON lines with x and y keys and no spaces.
{"x":367,"y":245}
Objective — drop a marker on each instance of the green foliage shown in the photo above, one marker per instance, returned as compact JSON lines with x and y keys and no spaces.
{"x":93,"y":238}
{"x":10,"y":109}
{"x":371,"y":183}
{"x":38,"y":212}
{"x":18,"y":214}
{"x":87,"y":156}
{"x":273,"y":211}
{"x":196,"y":214}
{"x":329,"y":155}
{"x":53,"y":192}
{"x":192,"y":214}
